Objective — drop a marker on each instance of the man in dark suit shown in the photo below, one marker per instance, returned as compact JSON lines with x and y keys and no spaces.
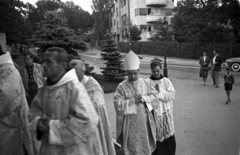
{"x":204,"y":61}
{"x":216,"y":68}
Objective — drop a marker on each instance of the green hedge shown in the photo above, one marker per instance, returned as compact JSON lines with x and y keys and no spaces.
{"x":181,"y":50}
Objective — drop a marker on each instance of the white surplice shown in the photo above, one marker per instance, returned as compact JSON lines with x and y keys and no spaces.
{"x":164,"y":107}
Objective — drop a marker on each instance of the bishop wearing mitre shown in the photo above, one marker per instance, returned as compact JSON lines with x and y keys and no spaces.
{"x":136,"y":130}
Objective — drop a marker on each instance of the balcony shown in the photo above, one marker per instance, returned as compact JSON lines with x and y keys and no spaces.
{"x":156,"y":2}
{"x":153,"y":18}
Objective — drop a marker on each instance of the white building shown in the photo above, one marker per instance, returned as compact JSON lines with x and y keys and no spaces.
{"x":143,"y":13}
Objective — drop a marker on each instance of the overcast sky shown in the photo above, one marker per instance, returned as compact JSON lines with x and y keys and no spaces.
{"x":84,"y":4}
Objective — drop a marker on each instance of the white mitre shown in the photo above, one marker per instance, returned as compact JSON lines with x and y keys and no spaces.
{"x":131,"y":61}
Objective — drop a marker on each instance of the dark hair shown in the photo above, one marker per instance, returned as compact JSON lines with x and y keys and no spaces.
{"x":28,"y":54}
{"x":62,"y":54}
{"x":155,"y":63}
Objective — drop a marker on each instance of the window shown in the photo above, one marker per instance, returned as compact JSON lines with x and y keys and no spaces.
{"x":149,"y":28}
{"x":124,"y":19}
{"x":117,"y":12}
{"x":123,"y":3}
{"x":114,"y":22}
{"x":141,"y":11}
{"x":143,"y":27}
{"x":149,"y":11}
{"x":117,"y":26}
{"x":126,"y":32}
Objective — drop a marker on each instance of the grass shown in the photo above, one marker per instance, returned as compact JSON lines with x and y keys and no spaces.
{"x":107,"y":85}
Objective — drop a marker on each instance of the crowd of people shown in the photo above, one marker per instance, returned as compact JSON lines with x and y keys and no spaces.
{"x":214,"y":66}
{"x":55,"y":109}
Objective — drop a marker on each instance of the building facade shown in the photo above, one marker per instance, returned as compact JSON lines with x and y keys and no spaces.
{"x":143,"y":13}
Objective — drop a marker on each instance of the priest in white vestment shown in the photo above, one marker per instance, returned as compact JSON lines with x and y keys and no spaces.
{"x":96,"y":94}
{"x":136,"y":130}
{"x":15,"y":137}
{"x":62,"y":114}
{"x":166,"y":143}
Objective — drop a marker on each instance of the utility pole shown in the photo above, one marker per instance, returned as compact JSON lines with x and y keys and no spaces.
{"x":129,"y":22}
{"x":165,"y":69}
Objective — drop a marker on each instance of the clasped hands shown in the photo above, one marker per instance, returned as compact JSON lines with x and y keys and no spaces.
{"x":43,"y":124}
{"x":139,"y":99}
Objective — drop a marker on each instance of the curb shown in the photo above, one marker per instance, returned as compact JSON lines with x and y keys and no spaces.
{"x":145,"y":62}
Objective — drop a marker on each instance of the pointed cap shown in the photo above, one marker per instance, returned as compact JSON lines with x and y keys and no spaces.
{"x":131,"y":61}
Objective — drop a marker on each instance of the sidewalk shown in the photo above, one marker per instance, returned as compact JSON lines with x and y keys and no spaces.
{"x":147,"y":58}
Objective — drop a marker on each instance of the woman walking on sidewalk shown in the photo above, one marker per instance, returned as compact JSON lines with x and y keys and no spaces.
{"x":204,"y":61}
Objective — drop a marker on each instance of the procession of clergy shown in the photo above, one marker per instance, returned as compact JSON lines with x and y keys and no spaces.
{"x":68,"y":115}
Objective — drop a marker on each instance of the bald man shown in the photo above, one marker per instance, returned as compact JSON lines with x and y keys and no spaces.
{"x":97,"y":97}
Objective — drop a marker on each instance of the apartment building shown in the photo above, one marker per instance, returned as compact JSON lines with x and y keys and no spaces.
{"x":143,"y":13}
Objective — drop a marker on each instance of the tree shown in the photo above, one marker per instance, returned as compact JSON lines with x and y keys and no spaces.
{"x":13,"y":22}
{"x":53,"y":31}
{"x":135,"y":33}
{"x":114,"y":67}
{"x":162,"y":31}
{"x":206,"y":21}
{"x":231,"y":16}
{"x":101,"y":14}
{"x":36,"y":14}
{"x":77,"y":17}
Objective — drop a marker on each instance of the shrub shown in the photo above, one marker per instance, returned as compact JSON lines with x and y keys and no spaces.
{"x":113,"y":59}
{"x":181,"y":50}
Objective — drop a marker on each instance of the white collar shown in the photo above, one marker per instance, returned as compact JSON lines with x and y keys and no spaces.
{"x":85,"y":79}
{"x":6,"y":58}
{"x":67,"y":77}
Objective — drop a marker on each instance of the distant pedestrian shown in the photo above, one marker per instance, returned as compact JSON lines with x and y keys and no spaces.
{"x":204,"y":61}
{"x":32,"y":76}
{"x":216,"y":68}
{"x":228,"y":83}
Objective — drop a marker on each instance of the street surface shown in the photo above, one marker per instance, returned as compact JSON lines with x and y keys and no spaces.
{"x":204,"y":124}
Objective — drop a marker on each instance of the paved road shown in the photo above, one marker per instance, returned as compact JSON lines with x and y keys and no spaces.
{"x":204,"y":124}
